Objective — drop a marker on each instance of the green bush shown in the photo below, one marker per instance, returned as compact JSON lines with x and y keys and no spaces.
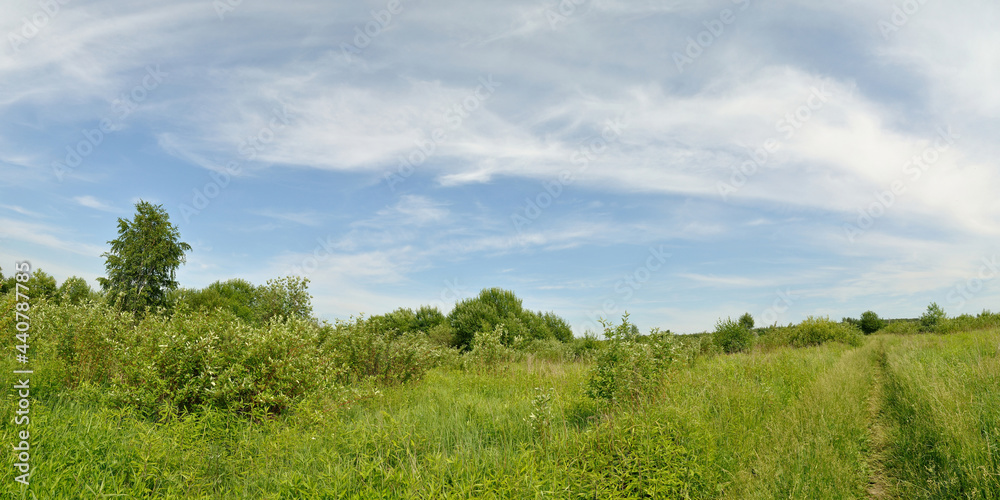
{"x":901,"y":327}
{"x":188,"y":361}
{"x":286,"y":297}
{"x":820,"y":330}
{"x":488,"y":348}
{"x":870,"y":323}
{"x":732,"y":336}
{"x":932,"y":317}
{"x":494,"y":306}
{"x":627,"y":369}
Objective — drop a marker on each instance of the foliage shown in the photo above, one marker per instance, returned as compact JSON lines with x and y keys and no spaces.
{"x":494,"y":306}
{"x":191,"y":360}
{"x":932,"y":317}
{"x":143,"y":260}
{"x":870,"y":322}
{"x":819,"y":330}
{"x":732,"y":336}
{"x":286,"y":297}
{"x":42,"y":285}
{"x":746,"y":321}
{"x":627,"y":369}
{"x":901,"y":327}
{"x":362,"y":351}
{"x":405,"y":320}
{"x":488,"y":348}
{"x":75,"y":290}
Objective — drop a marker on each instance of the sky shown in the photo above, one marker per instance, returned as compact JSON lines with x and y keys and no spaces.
{"x":680,"y":161}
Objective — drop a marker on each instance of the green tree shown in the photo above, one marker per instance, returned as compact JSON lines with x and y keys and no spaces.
{"x":746,"y":321}
{"x":74,"y":290}
{"x":42,"y":285}
{"x":286,"y":297}
{"x":732,"y":336}
{"x":143,"y":260}
{"x":558,"y":327}
{"x":934,"y":315}
{"x":483,"y":313}
{"x":870,"y":322}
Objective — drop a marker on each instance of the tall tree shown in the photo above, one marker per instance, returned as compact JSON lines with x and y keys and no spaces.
{"x":143,"y":260}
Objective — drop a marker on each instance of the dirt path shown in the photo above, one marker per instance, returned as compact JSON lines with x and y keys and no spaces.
{"x":878,"y":485}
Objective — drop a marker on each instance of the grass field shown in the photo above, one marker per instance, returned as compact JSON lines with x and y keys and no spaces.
{"x":914,"y":416}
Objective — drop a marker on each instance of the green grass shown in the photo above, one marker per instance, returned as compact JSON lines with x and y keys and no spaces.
{"x":915,"y":416}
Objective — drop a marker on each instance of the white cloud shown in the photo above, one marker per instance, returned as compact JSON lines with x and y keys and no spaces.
{"x":92,"y":202}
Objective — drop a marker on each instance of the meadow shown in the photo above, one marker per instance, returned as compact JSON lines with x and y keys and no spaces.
{"x":207,"y":405}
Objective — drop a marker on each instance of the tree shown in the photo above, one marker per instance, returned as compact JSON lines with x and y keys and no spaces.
{"x":285,"y":297}
{"x":934,"y":315}
{"x":143,"y":260}
{"x":870,"y":322}
{"x":41,"y":285}
{"x":482,"y":313}
{"x":746,"y":321}
{"x":74,"y":290}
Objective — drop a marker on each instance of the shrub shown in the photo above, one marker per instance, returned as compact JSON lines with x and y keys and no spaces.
{"x":585,"y":347}
{"x":819,"y":330}
{"x":494,"y":306}
{"x":932,"y":317}
{"x":901,"y":327}
{"x":75,"y":290}
{"x":488,"y":348}
{"x":187,"y":361}
{"x":626,"y":370}
{"x":732,"y":336}
{"x":870,"y":322}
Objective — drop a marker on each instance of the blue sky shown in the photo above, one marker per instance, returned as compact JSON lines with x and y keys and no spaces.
{"x":683,"y":161}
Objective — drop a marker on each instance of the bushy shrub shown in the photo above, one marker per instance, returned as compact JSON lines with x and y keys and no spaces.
{"x":626,"y":370}
{"x":732,"y":336}
{"x":901,"y":327}
{"x":932,"y":317}
{"x":286,"y":297}
{"x":550,"y":350}
{"x":967,"y":322}
{"x":75,"y":290}
{"x":870,"y":323}
{"x":186,"y":361}
{"x":494,"y":306}
{"x":488,"y":348}
{"x":364,"y":352}
{"x":585,"y":347}
{"x":819,"y":330}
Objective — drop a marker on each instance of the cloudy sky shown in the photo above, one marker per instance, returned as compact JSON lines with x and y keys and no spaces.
{"x":680,"y":160}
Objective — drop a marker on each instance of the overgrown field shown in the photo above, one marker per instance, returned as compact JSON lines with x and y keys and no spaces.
{"x":814,"y":411}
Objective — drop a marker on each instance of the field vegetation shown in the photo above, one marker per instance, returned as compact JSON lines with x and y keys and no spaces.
{"x":236,"y":391}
